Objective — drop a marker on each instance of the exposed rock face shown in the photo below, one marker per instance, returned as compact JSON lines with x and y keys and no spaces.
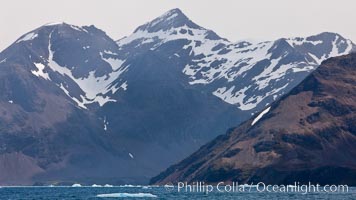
{"x":307,"y":135}
{"x":18,"y":168}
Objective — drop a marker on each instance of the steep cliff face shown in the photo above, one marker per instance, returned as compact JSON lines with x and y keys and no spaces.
{"x":307,"y":135}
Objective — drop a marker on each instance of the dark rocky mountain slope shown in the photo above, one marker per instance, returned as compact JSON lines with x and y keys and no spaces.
{"x":307,"y":135}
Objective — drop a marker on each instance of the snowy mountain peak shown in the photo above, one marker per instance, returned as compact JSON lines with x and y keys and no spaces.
{"x":314,"y":46}
{"x":52,"y":55}
{"x":172,"y":25}
{"x":65,"y":29}
{"x":54,"y":23}
{"x":171,"y":19}
{"x":246,"y":74}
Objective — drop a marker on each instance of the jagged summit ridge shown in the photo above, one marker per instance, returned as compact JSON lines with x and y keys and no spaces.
{"x":314,"y":46}
{"x":170,"y":26}
{"x":171,"y":19}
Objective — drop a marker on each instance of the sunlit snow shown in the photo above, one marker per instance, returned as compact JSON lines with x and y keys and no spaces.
{"x":95,"y":88}
{"x":39,"y":72}
{"x":260,"y":116}
{"x":27,"y":37}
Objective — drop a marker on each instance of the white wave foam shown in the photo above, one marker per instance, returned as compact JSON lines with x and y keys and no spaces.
{"x":123,"y":195}
{"x":76,"y":185}
{"x":108,"y":185}
{"x":95,"y":185}
{"x":130,"y":185}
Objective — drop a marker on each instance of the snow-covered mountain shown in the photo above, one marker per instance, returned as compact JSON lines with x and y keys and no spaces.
{"x":52,"y":80}
{"x":139,"y":103}
{"x":246,"y":74}
{"x":80,"y":60}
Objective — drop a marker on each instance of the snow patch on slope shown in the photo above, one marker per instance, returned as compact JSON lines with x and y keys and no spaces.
{"x":113,"y":62}
{"x":335,"y":51}
{"x":27,"y":37}
{"x":106,"y":123}
{"x":54,"y":23}
{"x":95,"y":88}
{"x":168,"y":35}
{"x":260,"y":116}
{"x":131,"y":156}
{"x":39,"y":72}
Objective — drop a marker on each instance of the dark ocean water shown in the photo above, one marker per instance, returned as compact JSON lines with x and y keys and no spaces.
{"x":100,"y":193}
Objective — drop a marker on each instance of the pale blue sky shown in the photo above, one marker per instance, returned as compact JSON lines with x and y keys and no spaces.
{"x":232,"y":19}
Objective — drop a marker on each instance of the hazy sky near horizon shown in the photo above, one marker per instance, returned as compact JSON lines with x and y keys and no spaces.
{"x":232,"y":19}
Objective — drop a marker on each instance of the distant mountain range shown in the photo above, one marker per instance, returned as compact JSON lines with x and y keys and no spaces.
{"x":78,"y":106}
{"x":307,"y":135}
